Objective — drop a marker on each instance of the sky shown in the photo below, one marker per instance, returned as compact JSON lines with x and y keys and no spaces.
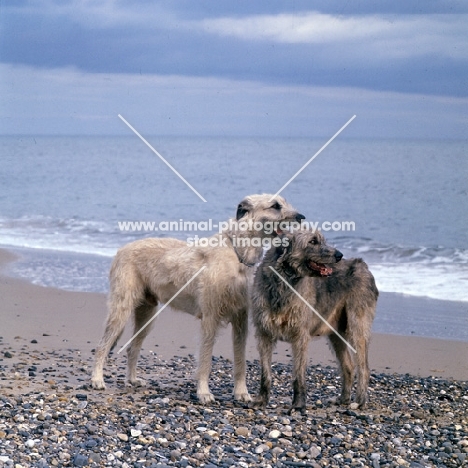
{"x":235,"y":68}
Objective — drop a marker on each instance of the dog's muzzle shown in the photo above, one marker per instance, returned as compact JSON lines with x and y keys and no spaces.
{"x":321,"y":268}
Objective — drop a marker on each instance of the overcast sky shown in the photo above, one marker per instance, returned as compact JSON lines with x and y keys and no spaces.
{"x":237,"y":67}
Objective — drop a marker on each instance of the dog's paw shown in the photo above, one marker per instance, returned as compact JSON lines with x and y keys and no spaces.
{"x":361,"y":400}
{"x":242,"y":397}
{"x":135,"y":383}
{"x":297,"y":409}
{"x":358,"y":405}
{"x":344,"y":401}
{"x":205,"y":398}
{"x":258,"y":403}
{"x":98,"y":384}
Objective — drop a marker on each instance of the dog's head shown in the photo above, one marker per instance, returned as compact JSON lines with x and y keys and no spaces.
{"x":271,"y":212}
{"x":306,"y":253}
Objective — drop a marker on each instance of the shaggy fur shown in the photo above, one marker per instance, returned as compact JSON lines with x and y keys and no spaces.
{"x":149,"y":272}
{"x":343,"y":292}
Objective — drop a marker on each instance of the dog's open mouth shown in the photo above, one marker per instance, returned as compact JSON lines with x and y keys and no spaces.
{"x":286,"y":227}
{"x":278,"y":232}
{"x":324,"y":270}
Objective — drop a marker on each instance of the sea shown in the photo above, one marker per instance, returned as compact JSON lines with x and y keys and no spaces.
{"x":401,"y":205}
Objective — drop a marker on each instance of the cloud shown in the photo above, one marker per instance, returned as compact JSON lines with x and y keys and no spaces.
{"x":412,"y":53}
{"x":401,"y":35}
{"x":100,"y":14}
{"x":395,"y":35}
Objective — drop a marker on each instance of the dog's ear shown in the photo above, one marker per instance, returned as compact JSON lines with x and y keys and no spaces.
{"x":242,"y":209}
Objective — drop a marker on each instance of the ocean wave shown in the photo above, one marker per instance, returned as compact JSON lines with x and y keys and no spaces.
{"x":104,"y":237}
{"x":62,"y":235}
{"x":378,"y":252}
{"x":428,"y":271}
{"x":441,"y":281}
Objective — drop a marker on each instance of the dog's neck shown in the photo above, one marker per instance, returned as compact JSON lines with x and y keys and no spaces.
{"x":240,"y":243}
{"x":288,"y":273}
{"x":241,"y":259}
{"x":278,"y":293}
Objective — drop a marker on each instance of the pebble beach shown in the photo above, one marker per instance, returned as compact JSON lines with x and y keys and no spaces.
{"x":410,"y":421}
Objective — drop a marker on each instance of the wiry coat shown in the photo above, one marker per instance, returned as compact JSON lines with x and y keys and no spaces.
{"x":337,"y":299}
{"x":149,"y":272}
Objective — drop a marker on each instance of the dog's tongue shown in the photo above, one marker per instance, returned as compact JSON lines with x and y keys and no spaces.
{"x":321,"y":268}
{"x":325,"y":271}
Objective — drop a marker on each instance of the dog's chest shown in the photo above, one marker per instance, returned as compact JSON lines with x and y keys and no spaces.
{"x":284,"y":325}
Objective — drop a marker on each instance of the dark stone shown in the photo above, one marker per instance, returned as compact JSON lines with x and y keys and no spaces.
{"x":335,"y":441}
{"x":90,"y":443}
{"x":80,"y":460}
{"x":95,"y":457}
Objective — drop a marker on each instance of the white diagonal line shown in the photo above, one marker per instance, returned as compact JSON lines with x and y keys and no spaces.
{"x":313,"y":309}
{"x":313,"y":157}
{"x":161,"y":309}
{"x":161,"y":157}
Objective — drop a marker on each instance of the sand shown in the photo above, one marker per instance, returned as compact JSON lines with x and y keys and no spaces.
{"x":62,"y":320}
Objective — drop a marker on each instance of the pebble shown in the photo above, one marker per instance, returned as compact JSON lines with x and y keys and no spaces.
{"x":262,"y":448}
{"x":243,"y":431}
{"x":314,"y":451}
{"x":277,"y":451}
{"x":405,"y":424}
{"x":80,"y":460}
{"x":176,"y":455}
{"x":30,"y":443}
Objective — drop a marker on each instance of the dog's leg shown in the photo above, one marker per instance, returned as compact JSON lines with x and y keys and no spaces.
{"x":346,"y":364}
{"x":143,"y":314}
{"x":208,"y":338}
{"x":119,"y":313}
{"x":239,"y":340}
{"x":362,"y":367}
{"x":265,"y":345}
{"x":299,"y":350}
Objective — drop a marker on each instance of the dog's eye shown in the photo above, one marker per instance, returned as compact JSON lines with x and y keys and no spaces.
{"x":314,"y":241}
{"x":276,"y":206}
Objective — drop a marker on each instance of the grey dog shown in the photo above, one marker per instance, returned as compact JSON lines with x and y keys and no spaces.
{"x":343,"y":292}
